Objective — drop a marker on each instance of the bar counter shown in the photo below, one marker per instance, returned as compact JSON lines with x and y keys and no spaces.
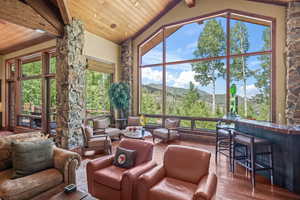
{"x":286,"y":149}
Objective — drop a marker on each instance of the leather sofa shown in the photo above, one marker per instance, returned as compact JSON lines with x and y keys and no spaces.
{"x":39,"y":185}
{"x":184,"y":175}
{"x":108,"y":182}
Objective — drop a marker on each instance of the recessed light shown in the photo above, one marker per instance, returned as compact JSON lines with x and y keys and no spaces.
{"x":39,"y":31}
{"x":113,"y":25}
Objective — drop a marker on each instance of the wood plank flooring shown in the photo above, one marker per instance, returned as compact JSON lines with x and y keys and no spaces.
{"x":230,"y":187}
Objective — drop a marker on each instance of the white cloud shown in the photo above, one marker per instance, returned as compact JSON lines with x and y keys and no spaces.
{"x":151,"y":76}
{"x":184,"y":79}
{"x":251,"y":90}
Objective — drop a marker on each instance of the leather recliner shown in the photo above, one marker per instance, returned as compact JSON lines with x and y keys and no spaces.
{"x":184,"y":175}
{"x":108,"y":182}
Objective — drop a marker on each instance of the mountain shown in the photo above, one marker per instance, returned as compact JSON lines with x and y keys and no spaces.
{"x":180,"y":92}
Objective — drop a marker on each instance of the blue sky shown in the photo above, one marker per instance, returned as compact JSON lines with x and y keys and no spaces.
{"x":182,"y":44}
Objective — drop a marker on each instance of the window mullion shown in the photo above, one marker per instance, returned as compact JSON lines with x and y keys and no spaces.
{"x":228,"y":63}
{"x":164,"y":79}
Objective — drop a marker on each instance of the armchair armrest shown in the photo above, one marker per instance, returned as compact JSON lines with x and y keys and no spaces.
{"x":66,"y":162}
{"x":129,"y":181}
{"x":148,"y":180}
{"x":94,"y":165}
{"x":206,"y":188}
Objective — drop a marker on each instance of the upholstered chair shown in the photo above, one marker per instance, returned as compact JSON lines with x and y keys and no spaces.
{"x":39,"y":185}
{"x":103,"y":125}
{"x":133,"y":121}
{"x":183,"y":175}
{"x":95,"y":141}
{"x":109,"y":182}
{"x":169,"y":132}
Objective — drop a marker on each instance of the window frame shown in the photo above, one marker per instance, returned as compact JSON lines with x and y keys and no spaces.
{"x":228,"y":56}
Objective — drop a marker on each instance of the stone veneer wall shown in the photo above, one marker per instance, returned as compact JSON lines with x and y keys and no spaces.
{"x":293,"y":63}
{"x":71,"y":65}
{"x":126,"y":66}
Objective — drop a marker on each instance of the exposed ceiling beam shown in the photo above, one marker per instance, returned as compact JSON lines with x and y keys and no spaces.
{"x":190,"y":3}
{"x":64,"y":11}
{"x":16,"y":12}
{"x":48,"y":12}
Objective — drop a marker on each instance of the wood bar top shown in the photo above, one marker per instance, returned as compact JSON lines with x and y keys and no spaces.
{"x":284,"y":129}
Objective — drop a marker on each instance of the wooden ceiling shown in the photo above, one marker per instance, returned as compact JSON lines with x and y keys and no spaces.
{"x":117,"y":20}
{"x":14,"y":37}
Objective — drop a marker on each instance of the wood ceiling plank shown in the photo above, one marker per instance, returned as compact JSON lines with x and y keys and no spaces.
{"x":275,"y":2}
{"x":19,"y":13}
{"x":130,"y":16}
{"x":48,"y":12}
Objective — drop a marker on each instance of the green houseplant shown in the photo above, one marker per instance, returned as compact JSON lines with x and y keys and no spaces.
{"x":119,"y":94}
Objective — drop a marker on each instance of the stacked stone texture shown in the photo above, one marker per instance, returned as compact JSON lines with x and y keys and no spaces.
{"x":71,"y":66}
{"x":127,"y":65}
{"x":293,"y":64}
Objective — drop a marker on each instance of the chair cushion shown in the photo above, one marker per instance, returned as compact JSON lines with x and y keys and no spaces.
{"x":98,"y":142}
{"x":113,"y":132}
{"x":31,"y":156}
{"x":110,"y":176}
{"x":171,"y":123}
{"x":101,"y":123}
{"x":124,"y":158}
{"x":163,"y":133}
{"x":88,"y":132}
{"x":28,"y":186}
{"x":172,"y":189}
{"x":133,"y":121}
{"x":247,"y":140}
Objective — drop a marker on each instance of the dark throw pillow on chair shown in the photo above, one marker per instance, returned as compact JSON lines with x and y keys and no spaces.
{"x":124,"y":158}
{"x":31,"y":156}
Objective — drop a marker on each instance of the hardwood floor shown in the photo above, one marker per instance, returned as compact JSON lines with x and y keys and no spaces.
{"x":233,"y":187}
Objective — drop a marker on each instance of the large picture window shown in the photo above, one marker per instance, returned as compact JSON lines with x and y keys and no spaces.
{"x":188,"y":68}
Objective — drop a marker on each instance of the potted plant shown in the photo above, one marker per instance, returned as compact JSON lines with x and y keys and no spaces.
{"x":119,"y":94}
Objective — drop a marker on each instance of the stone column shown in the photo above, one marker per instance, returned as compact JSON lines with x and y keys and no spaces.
{"x":71,"y":65}
{"x":293,"y":62}
{"x":126,"y":67}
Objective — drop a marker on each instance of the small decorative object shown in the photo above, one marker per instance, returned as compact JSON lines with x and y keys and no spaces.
{"x":143,"y":132}
{"x":70,"y":188}
{"x":142,"y":120}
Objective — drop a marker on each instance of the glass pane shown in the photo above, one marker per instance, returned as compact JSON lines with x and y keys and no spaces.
{"x":186,"y":123}
{"x":249,"y":37}
{"x":206,"y":125}
{"x":31,"y":97}
{"x":200,"y":39}
{"x":97,"y":99}
{"x":53,"y":103}
{"x":32,"y":68}
{"x":150,"y":120}
{"x":53,"y":65}
{"x":151,"y":90}
{"x":152,"y":51}
{"x":252,"y":77}
{"x":197,"y":89}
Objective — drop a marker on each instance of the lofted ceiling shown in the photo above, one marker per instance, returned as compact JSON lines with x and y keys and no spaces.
{"x":14,"y":37}
{"x":117,"y":20}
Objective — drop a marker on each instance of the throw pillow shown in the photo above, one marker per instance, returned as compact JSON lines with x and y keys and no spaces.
{"x":124,"y":158}
{"x":31,"y":156}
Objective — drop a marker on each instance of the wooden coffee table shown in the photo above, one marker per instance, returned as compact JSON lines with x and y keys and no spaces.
{"x":77,"y":195}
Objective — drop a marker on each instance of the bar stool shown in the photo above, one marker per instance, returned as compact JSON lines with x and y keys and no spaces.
{"x":248,"y":157}
{"x":224,"y":141}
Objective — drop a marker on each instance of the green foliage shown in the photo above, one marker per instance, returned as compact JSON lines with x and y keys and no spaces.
{"x":97,"y":85}
{"x":119,"y":94}
{"x":211,"y":43}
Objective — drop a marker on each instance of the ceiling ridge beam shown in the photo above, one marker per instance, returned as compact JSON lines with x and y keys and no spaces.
{"x":48,"y":12}
{"x":64,"y":11}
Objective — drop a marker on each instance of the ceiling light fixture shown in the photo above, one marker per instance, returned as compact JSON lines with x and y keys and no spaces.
{"x":39,"y":31}
{"x":113,"y":26}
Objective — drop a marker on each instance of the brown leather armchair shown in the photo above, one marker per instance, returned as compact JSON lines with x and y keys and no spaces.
{"x":108,"y":182}
{"x":184,"y":175}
